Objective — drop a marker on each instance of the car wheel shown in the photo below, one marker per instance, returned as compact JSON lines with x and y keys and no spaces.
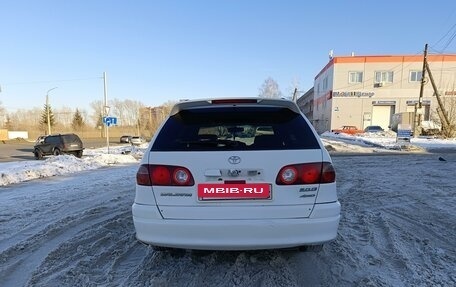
{"x":173,"y":252}
{"x":38,"y":154}
{"x":311,"y":248}
{"x":57,"y":152}
{"x":161,"y":248}
{"x":78,"y":154}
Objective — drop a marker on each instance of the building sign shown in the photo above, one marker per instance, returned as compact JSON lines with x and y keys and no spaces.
{"x":353,"y":94}
{"x":323,"y":98}
{"x":384,"y":103}
{"x":414,"y":102}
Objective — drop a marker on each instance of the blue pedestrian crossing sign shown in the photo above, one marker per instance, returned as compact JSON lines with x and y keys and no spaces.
{"x":109,"y":121}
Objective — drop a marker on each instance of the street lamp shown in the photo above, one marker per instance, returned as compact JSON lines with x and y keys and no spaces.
{"x":48,"y":111}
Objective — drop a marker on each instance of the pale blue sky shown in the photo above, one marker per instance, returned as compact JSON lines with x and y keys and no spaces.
{"x":156,"y":51}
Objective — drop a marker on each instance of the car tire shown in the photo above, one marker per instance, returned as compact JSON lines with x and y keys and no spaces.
{"x":37,"y":153}
{"x":161,"y":248}
{"x":57,"y":152}
{"x":78,"y":154}
{"x":173,"y":252}
{"x":311,"y":248}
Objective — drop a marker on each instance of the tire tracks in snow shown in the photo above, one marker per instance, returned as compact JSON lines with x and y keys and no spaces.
{"x":392,"y":233}
{"x":29,"y":253}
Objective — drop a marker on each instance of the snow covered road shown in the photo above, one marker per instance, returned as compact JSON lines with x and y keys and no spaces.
{"x":397,"y":229}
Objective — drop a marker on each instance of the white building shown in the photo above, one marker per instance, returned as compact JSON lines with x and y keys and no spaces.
{"x":368,"y":90}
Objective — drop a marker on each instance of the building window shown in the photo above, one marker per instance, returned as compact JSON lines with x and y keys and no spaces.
{"x":415,"y":76}
{"x":384,"y":77}
{"x":355,"y":77}
{"x":325,"y":83}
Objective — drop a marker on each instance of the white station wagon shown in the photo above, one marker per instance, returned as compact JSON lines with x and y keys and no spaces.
{"x":236,"y":174}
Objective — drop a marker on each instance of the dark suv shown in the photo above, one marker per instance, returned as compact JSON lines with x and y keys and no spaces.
{"x":58,"y":144}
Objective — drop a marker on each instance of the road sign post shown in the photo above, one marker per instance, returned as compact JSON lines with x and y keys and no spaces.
{"x":109,"y":121}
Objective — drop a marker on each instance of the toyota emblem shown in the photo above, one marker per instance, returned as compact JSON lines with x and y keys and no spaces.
{"x":234,"y":159}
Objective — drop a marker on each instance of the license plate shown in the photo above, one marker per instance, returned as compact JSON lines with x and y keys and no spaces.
{"x":208,"y":191}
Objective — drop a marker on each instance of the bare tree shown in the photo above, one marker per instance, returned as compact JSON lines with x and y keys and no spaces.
{"x":127,"y":111}
{"x":63,"y":118}
{"x":98,"y":112}
{"x":270,"y":89}
{"x":26,"y":119}
{"x":2,"y":115}
{"x":168,"y":106}
{"x":450,"y":106}
{"x":293,"y":90}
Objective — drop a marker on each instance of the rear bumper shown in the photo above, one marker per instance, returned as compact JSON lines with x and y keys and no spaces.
{"x":319,"y":228}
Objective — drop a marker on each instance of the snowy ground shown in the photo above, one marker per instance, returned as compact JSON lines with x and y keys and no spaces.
{"x":75,"y":228}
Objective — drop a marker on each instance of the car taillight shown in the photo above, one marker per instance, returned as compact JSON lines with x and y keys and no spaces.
{"x":164,"y":175}
{"x":306,"y":173}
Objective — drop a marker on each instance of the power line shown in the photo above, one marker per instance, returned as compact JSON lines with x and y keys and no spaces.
{"x":50,"y":81}
{"x":448,"y":42}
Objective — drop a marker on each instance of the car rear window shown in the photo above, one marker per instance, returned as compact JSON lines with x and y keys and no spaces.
{"x":70,"y":138}
{"x":235,"y":128}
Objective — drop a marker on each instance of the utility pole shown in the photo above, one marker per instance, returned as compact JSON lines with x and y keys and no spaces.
{"x":295,"y":95}
{"x":106,"y":108}
{"x":447,"y":128}
{"x":419,"y":107}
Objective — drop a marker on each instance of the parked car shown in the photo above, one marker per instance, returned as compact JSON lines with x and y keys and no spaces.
{"x":209,"y":183}
{"x":373,"y":129}
{"x":58,"y":144}
{"x":136,"y":140}
{"x":125,"y":139}
{"x":351,"y":130}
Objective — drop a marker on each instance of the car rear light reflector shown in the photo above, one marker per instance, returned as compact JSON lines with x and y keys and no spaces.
{"x":306,"y":173}
{"x":142,"y":176}
{"x":288,"y":175}
{"x":181,"y":176}
{"x":163,"y":175}
{"x":328,"y":173}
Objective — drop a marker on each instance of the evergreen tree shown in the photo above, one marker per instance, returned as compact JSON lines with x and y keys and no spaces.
{"x":78,"y":121}
{"x":44,"y":117}
{"x":8,"y":123}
